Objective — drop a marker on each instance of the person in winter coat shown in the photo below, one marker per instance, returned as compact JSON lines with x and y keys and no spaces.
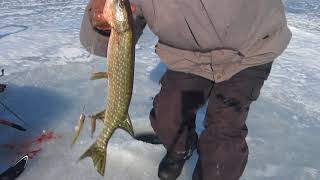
{"x":219,"y":52}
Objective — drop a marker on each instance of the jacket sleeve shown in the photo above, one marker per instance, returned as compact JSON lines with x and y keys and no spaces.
{"x":96,"y":41}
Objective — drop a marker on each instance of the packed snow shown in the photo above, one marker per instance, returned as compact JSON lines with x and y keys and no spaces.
{"x":47,"y":73}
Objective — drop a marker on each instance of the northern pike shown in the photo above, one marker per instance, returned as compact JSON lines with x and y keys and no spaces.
{"x":120,"y":62}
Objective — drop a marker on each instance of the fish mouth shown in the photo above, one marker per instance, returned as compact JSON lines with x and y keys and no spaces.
{"x":103,"y":26}
{"x":106,"y":32}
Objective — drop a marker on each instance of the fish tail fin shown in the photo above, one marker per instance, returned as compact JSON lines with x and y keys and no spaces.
{"x":98,"y":157}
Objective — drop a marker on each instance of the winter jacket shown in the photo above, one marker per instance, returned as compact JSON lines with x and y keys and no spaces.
{"x":211,"y":38}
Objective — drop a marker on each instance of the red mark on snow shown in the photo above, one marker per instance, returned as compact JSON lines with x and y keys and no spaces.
{"x":33,"y":153}
{"x":44,"y":137}
{"x":33,"y":146}
{"x":30,"y":153}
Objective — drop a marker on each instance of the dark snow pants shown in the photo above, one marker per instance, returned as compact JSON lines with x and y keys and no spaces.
{"x":222,"y":147}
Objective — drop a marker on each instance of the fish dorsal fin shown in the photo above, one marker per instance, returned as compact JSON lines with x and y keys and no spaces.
{"x":127,"y":126}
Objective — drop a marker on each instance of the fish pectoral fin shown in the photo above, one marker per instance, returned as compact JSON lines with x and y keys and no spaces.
{"x":99,"y":75}
{"x":93,"y":121}
{"x":127,"y":126}
{"x":93,"y":118}
{"x":100,"y":115}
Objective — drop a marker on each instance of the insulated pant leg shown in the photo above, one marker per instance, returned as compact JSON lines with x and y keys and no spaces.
{"x":174,"y":109}
{"x":223,"y":151}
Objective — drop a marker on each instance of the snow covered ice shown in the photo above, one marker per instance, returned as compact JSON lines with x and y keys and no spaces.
{"x":47,"y":73}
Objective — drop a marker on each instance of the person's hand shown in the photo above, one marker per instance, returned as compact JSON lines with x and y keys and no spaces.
{"x":96,"y":15}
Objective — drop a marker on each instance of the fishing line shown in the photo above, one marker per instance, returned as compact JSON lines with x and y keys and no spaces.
{"x":90,"y":90}
{"x":31,"y":129}
{"x":18,"y":117}
{"x":91,"y":86}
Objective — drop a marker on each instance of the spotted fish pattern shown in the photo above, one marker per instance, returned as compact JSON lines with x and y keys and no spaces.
{"x":120,"y":74}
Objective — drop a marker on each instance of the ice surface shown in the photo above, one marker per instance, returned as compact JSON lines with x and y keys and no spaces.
{"x":48,"y":71}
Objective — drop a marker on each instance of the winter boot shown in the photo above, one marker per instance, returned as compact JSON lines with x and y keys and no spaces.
{"x":172,"y":164}
{"x":170,"y":167}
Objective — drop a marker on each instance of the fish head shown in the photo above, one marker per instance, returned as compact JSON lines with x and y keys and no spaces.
{"x":119,"y":15}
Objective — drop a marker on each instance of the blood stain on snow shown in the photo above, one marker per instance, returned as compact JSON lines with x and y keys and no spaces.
{"x":31,"y":147}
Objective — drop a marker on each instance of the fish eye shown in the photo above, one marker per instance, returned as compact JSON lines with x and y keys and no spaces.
{"x":121,"y":3}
